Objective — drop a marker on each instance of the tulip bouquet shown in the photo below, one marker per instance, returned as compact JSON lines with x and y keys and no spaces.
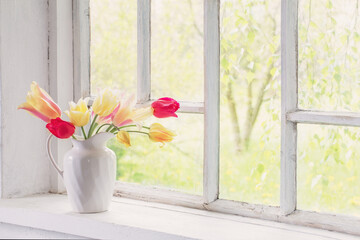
{"x":109,"y":112}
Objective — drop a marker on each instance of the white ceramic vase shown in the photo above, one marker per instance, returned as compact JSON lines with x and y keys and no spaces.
{"x":89,"y":173}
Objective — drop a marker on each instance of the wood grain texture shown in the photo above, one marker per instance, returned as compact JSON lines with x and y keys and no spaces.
{"x":191,"y":107}
{"x":327,"y":118}
{"x":23,"y":59}
{"x":289,"y":103}
{"x":212,"y":93}
{"x":157,"y":194}
{"x":131,"y":219}
{"x":143,"y":50}
{"x":81,"y":35}
{"x":60,"y":73}
{"x":334,"y":222}
{"x":339,"y":223}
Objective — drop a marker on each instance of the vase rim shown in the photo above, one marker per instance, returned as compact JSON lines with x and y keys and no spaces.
{"x":81,"y":138}
{"x":97,"y":139}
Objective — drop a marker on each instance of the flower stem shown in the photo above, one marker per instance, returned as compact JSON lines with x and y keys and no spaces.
{"x":73,"y":136}
{"x":92,"y":126}
{"x":139,"y":132}
{"x":102,"y":126}
{"x":83,"y":131}
{"x":110,"y":126}
{"x":132,"y":126}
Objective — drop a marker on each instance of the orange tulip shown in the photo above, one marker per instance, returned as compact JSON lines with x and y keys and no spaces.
{"x":40,"y":104}
{"x":124,"y":138}
{"x":158,"y":133}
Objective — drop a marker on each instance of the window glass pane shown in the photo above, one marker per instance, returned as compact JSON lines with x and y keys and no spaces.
{"x":329,"y":169}
{"x":329,"y":43}
{"x":176,"y":165}
{"x":250,"y":101}
{"x":177,"y":49}
{"x":113,"y":45}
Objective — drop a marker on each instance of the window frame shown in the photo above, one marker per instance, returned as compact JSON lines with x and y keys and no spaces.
{"x":291,"y":115}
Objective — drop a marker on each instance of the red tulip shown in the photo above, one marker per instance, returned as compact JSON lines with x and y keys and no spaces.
{"x":61,"y":128}
{"x":165,"y":107}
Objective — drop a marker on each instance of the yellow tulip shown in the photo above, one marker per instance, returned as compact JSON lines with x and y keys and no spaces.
{"x":104,"y":103}
{"x":79,"y":113}
{"x":141,"y":114}
{"x":124,"y":138}
{"x":40,"y":104}
{"x":158,"y":133}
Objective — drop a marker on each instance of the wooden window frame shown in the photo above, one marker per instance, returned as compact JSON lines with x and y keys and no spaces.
{"x":291,"y":115}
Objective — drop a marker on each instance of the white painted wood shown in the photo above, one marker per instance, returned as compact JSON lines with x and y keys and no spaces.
{"x":237,"y":209}
{"x":212,"y":93}
{"x":344,"y":224}
{"x":53,"y":214}
{"x":157,"y":194}
{"x":340,"y":223}
{"x":329,"y":118}
{"x":10,"y":231}
{"x":289,"y":102}
{"x":131,"y":219}
{"x":191,"y":107}
{"x":245,"y":209}
{"x":60,"y":74}
{"x":23,"y":59}
{"x":334,"y":222}
{"x":143,"y":50}
{"x":81,"y":33}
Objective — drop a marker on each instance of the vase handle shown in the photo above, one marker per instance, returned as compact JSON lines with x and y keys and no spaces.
{"x":48,"y":149}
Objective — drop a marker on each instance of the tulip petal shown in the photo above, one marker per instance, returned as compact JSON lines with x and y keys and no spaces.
{"x":34,"y":112}
{"x":104,"y":103}
{"x":79,"y":113}
{"x":165,"y":107}
{"x":124,"y":138}
{"x":43,"y":94}
{"x":159,"y":133}
{"x":141,"y":114}
{"x":60,"y":128}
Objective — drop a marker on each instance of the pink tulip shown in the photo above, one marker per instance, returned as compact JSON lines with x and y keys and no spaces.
{"x":165,"y":107}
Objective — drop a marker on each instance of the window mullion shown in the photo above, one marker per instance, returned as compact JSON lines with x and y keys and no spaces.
{"x":143,"y":50}
{"x":81,"y":45}
{"x":211,"y":106}
{"x":289,"y":103}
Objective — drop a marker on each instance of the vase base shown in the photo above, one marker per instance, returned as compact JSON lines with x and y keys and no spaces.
{"x":90,"y":212}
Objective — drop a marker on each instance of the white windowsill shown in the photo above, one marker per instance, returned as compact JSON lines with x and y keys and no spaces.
{"x":133,"y":219}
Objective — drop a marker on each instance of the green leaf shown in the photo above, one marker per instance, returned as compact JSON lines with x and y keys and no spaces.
{"x":273,"y":71}
{"x":241,"y":21}
{"x":337,"y":77}
{"x":251,"y":37}
{"x":224,"y":63}
{"x":260,"y":168}
{"x":329,"y":4}
{"x":312,"y":24}
{"x":325,"y":71}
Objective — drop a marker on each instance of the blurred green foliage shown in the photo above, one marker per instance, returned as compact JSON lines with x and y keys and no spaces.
{"x":328,"y":157}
